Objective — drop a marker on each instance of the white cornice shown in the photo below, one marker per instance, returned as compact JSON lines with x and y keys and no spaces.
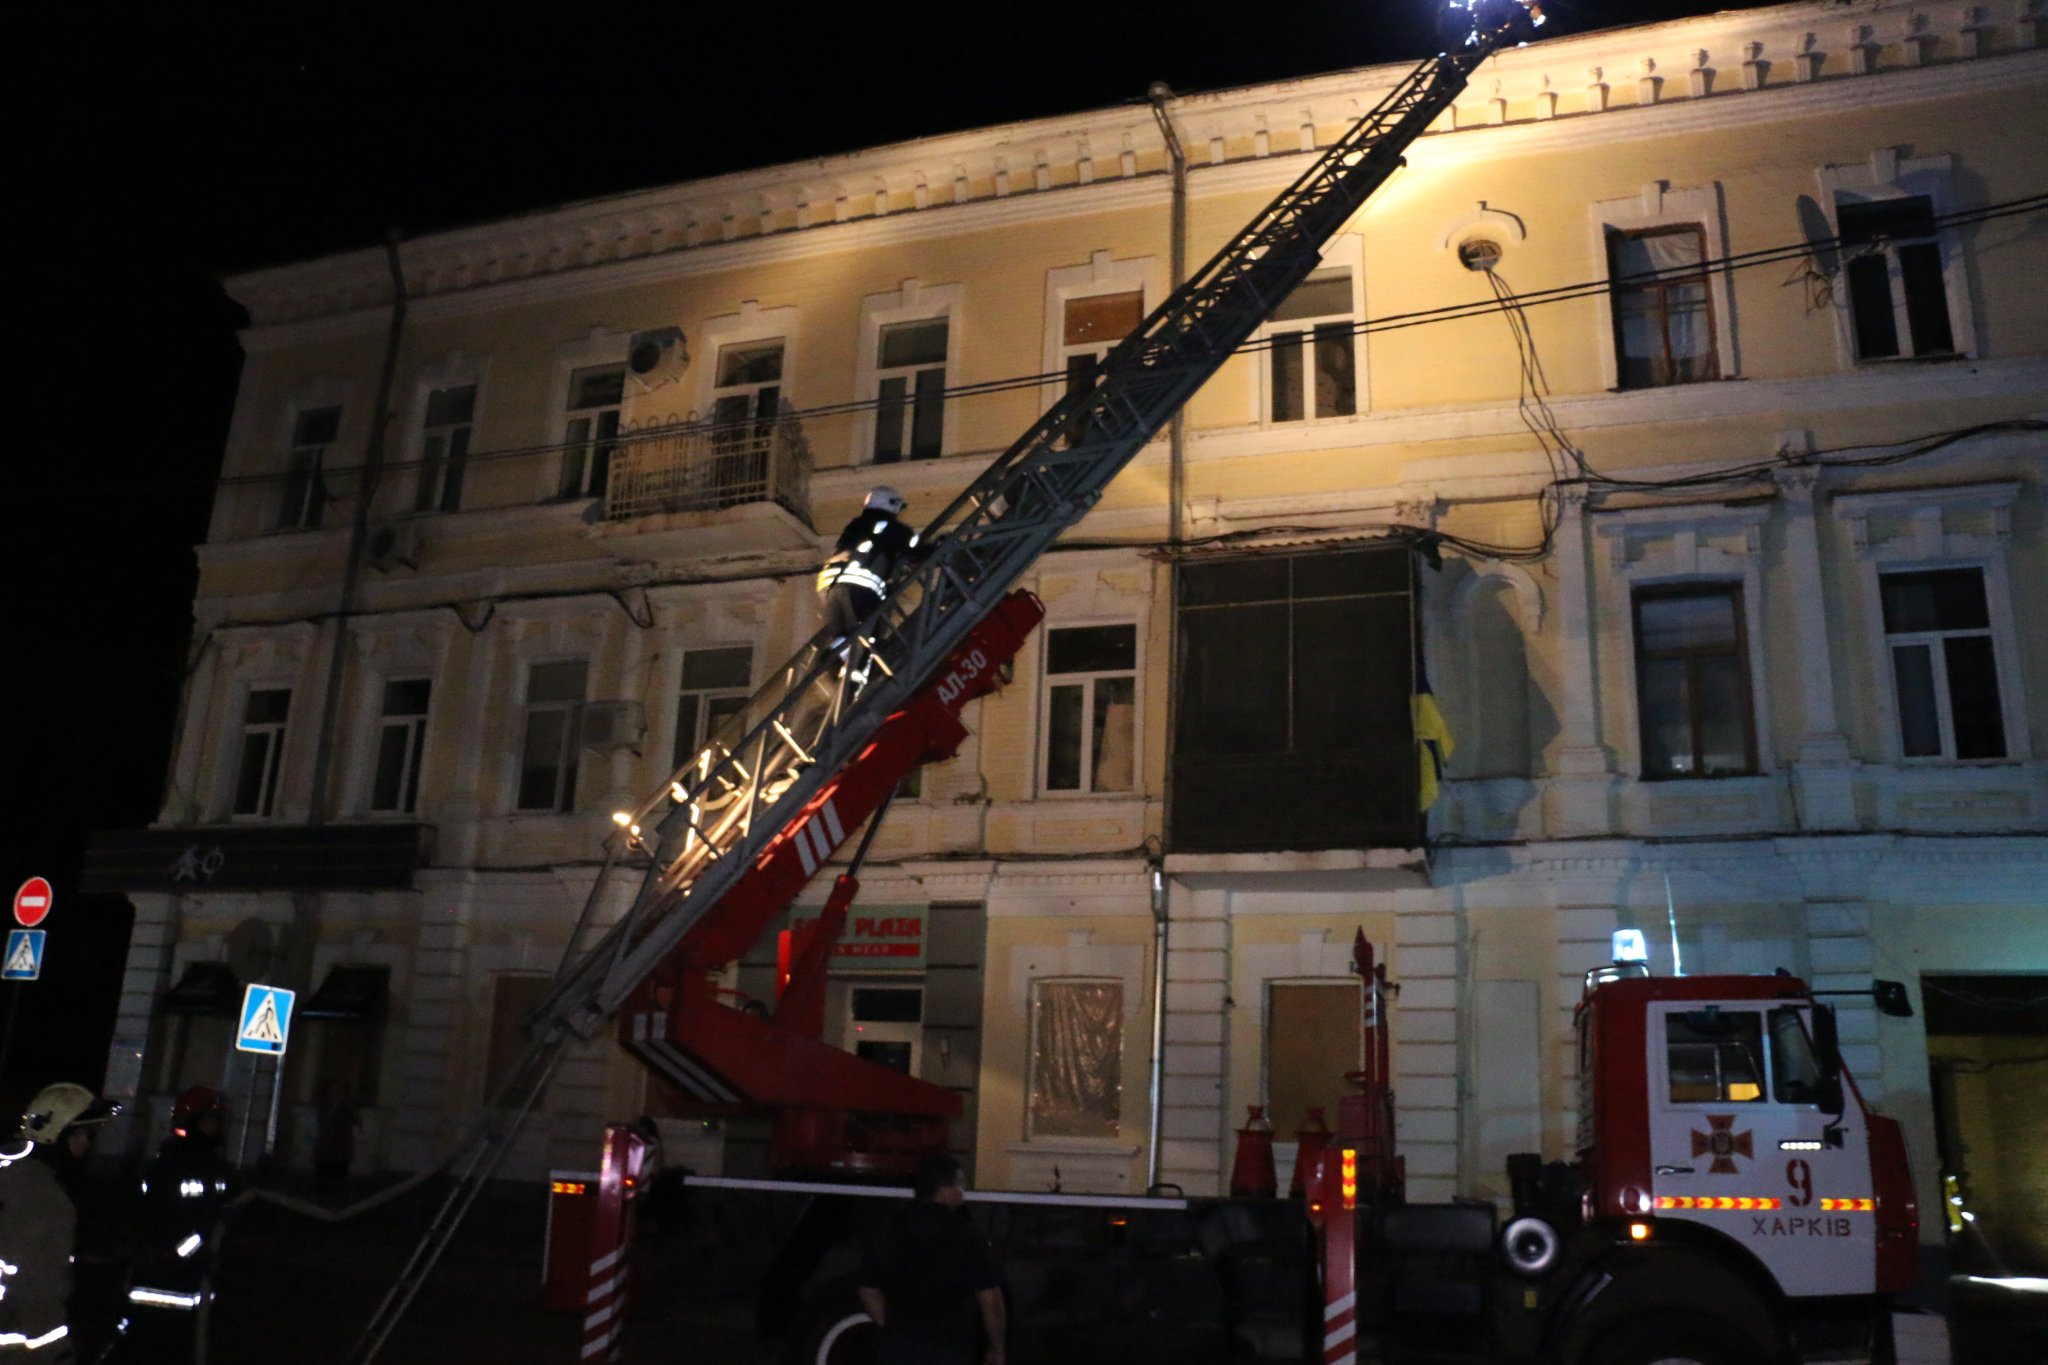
{"x":1035,"y":170}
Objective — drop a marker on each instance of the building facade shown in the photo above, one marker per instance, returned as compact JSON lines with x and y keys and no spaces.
{"x":1707,"y":357}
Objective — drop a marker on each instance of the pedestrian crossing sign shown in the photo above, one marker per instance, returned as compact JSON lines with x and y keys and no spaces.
{"x":23,"y":960}
{"x":266,"y":1019}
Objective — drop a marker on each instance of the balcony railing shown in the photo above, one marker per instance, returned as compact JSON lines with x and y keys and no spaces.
{"x":702,"y":467}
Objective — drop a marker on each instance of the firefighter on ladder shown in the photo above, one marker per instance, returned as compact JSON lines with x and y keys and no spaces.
{"x":185,"y":1191}
{"x":39,"y":1223}
{"x":856,"y":577}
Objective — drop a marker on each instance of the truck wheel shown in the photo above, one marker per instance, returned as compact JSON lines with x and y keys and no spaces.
{"x":1676,"y":1339}
{"x":836,"y":1331}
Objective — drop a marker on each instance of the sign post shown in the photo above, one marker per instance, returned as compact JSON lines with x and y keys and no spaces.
{"x":265,"y":1029}
{"x":23,"y":960}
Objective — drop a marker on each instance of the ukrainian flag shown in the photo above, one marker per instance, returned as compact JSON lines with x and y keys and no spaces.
{"x":1433,"y":742}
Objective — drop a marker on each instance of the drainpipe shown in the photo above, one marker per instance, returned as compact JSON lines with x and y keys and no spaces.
{"x":1176,"y":499}
{"x":359,"y":535}
{"x":1156,"y":1089}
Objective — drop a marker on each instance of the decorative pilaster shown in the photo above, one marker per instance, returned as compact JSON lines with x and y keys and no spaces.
{"x":1580,"y":789}
{"x":1823,"y":774}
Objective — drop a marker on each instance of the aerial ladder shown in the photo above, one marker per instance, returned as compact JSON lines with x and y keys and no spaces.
{"x":734,"y":834}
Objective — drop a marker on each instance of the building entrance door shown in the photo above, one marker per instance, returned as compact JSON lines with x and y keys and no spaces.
{"x":880,"y":1020}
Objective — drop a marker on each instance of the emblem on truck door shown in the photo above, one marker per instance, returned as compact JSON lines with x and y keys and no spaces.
{"x":1723,"y":1143}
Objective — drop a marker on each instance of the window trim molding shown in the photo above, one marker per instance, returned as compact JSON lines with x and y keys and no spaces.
{"x":452,"y":370}
{"x":1887,"y":175}
{"x":1657,"y":205}
{"x":1104,"y":975}
{"x":598,"y":346}
{"x":1681,"y":560}
{"x":1042,"y":717}
{"x":914,"y":301}
{"x":751,"y":322}
{"x":1346,"y":250}
{"x":1103,"y":273}
{"x":1930,"y":543}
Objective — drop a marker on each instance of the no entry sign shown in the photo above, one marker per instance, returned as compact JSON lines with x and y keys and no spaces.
{"x":32,"y":902}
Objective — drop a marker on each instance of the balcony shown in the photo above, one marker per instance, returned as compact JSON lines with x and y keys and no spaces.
{"x":701,"y":467}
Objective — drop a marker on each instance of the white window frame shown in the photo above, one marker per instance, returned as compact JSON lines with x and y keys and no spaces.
{"x":585,"y":448}
{"x":914,"y":302}
{"x":1887,"y":175}
{"x":313,"y":500}
{"x":1047,"y":680}
{"x":414,"y":764}
{"x":705,"y":695}
{"x":279,"y":733}
{"x":596,"y":347}
{"x":452,"y":371}
{"x":1344,"y":252}
{"x":565,"y":790}
{"x":1931,"y":533}
{"x":1656,"y":206}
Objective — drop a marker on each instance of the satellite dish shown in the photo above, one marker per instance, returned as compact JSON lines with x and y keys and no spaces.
{"x":251,"y":947}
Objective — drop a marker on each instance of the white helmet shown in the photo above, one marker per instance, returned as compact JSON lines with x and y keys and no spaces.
{"x":60,"y":1106}
{"x":882,"y":498}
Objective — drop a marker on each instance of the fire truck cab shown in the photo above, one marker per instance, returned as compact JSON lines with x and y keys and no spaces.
{"x":1732,"y":1200}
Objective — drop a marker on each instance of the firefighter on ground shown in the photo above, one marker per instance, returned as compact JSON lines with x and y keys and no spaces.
{"x":185,"y":1191}
{"x":856,"y":577}
{"x":39,"y":1223}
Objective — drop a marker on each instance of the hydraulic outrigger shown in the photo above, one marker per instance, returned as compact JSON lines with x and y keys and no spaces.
{"x":757,"y":803}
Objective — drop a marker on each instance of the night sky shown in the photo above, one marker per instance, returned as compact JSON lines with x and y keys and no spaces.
{"x":153,"y":149}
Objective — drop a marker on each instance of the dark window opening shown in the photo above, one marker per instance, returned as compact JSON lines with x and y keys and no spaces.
{"x":1294,"y":728}
{"x":1692,"y":683}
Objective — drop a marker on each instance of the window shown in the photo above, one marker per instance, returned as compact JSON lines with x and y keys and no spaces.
{"x":444,"y":448}
{"x":1663,"y":320}
{"x":1312,"y":1042}
{"x":1898,"y":298}
{"x":1293,"y":728}
{"x":1091,"y":326}
{"x":1795,"y":1071}
{"x":1091,"y":690}
{"x":514,"y":998}
{"x":263,"y":721}
{"x":304,"y":501}
{"x":401,"y":742}
{"x":547,"y":764}
{"x":716,"y":684}
{"x":1715,"y":1056}
{"x":591,"y":431}
{"x":1077,"y":1040}
{"x":1937,"y":628}
{"x":748,"y":382}
{"x":910,"y":411}
{"x":1692,"y":682}
{"x":1312,"y":355}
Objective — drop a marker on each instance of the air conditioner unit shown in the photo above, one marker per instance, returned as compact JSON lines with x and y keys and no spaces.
{"x":395,"y":543}
{"x":657,"y":357}
{"x":609,"y":726}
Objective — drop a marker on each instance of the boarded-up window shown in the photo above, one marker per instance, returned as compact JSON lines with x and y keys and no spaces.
{"x":514,"y":996}
{"x":1077,"y":1044}
{"x":1312,"y":1041}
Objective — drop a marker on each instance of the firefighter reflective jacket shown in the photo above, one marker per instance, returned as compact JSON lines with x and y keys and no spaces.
{"x":184,"y":1193}
{"x":870,"y":547}
{"x":37,"y":1228}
